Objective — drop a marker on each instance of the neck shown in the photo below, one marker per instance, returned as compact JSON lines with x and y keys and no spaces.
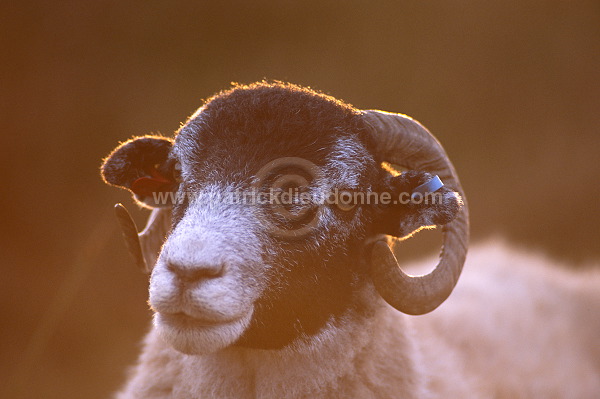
{"x":350,"y":357}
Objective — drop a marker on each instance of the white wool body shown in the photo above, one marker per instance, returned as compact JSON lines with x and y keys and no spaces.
{"x":515,"y":327}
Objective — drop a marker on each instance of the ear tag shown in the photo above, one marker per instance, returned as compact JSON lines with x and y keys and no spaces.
{"x":430,"y":186}
{"x":145,"y":186}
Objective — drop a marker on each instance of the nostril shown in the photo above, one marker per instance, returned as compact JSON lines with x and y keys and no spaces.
{"x":192,"y":273}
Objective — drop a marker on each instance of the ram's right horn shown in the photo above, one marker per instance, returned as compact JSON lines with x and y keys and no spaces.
{"x":144,"y":247}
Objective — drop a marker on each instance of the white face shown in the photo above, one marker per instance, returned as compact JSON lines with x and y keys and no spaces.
{"x":223,"y":277}
{"x":261,"y":276}
{"x":203,"y":287}
{"x":214,"y":265}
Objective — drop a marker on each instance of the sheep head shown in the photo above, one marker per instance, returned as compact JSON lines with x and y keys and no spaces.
{"x":241,"y":265}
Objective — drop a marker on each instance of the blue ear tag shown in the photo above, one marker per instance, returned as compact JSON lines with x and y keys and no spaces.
{"x":430,"y":186}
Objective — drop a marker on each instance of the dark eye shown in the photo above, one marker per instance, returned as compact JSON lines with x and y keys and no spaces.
{"x":346,"y":200}
{"x":177,"y":172}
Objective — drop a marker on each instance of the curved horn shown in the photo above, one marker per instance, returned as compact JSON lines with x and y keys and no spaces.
{"x":144,"y":247}
{"x":403,"y":141}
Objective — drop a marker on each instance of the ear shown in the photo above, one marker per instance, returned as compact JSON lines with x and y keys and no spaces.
{"x":403,"y":216}
{"x":141,"y":166}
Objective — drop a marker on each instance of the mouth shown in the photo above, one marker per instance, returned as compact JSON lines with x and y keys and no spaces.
{"x":196,"y":335}
{"x":183,"y":320}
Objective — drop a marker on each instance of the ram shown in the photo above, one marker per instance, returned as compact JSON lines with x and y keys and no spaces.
{"x":271,"y":276}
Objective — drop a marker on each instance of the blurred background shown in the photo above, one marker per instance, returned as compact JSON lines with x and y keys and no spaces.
{"x":511,"y":88}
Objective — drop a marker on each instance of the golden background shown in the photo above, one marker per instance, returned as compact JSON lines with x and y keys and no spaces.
{"x":511,"y":88}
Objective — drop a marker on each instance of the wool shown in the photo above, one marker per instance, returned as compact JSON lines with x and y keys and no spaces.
{"x":244,"y":311}
{"x":517,"y":326}
{"x":351,"y":357}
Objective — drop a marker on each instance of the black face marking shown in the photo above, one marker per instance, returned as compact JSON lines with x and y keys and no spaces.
{"x":307,"y":281}
{"x":313,"y":291}
{"x":235,"y":134}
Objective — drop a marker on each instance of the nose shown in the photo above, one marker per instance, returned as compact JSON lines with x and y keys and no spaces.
{"x":195,"y":272}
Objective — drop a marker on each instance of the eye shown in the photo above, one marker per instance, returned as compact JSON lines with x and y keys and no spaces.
{"x":177,"y":172}
{"x":346,"y":200}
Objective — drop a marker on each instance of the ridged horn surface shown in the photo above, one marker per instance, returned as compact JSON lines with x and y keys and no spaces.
{"x":403,"y":141}
{"x":144,"y":247}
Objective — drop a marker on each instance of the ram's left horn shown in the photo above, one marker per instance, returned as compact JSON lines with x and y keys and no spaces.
{"x":405,"y":142}
{"x":144,"y":247}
